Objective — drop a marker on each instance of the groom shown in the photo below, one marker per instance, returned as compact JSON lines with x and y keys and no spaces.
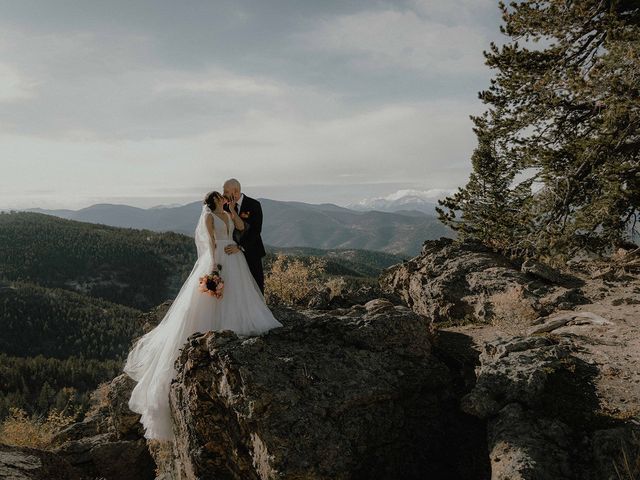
{"x":249,"y":240}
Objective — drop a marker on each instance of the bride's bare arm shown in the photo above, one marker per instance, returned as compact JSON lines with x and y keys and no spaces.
{"x":237,"y":221}
{"x":212,"y":234}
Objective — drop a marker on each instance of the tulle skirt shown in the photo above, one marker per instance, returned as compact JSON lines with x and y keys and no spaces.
{"x":151,"y":360}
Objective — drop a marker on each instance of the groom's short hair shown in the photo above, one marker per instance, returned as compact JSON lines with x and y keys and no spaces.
{"x":233,"y":183}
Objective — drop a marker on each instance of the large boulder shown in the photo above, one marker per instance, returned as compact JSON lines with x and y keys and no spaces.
{"x":125,"y":423}
{"x":542,"y":412}
{"x":349,"y":396}
{"x":460,"y":282}
{"x":108,"y":443}
{"x":24,"y":463}
{"x":104,"y":456}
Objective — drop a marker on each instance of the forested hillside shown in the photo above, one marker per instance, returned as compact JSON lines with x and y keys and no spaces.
{"x":39,"y":383}
{"x":70,"y":296}
{"x":137,"y":268}
{"x":53,"y":322}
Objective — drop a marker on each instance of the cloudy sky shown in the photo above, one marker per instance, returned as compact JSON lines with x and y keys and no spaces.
{"x":157,"y":102}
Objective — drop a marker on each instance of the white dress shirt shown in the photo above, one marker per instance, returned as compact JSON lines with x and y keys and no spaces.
{"x":240,"y":202}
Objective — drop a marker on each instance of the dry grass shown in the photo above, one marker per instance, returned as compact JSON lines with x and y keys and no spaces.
{"x":627,"y":465}
{"x":513,"y":313}
{"x":337,"y":286}
{"x":163,"y":455}
{"x":99,"y":399}
{"x":291,"y":280}
{"x":31,"y":431}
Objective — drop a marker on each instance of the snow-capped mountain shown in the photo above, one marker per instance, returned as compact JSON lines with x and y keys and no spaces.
{"x":423,"y":201}
{"x":167,"y":205}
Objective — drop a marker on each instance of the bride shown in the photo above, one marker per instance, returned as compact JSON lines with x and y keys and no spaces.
{"x":241,"y":308}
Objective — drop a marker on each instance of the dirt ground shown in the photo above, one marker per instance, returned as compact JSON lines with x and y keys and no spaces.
{"x":614,"y":348}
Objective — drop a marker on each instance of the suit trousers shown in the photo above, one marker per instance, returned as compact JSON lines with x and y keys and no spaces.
{"x":255,"y":266}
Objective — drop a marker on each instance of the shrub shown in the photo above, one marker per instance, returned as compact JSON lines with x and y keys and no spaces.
{"x":627,"y":465}
{"x":513,"y":313}
{"x":31,"y":431}
{"x":291,"y":280}
{"x":337,"y":286}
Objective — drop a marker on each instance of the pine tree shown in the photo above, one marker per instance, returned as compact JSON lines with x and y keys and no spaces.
{"x":486,"y":209}
{"x":564,"y":108}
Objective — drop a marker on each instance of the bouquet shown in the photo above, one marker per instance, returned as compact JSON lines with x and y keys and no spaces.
{"x":212,"y":284}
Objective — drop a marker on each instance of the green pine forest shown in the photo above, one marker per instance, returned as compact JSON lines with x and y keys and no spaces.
{"x":137,"y":268}
{"x":71,"y":294}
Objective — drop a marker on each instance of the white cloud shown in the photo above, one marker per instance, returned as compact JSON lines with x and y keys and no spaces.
{"x":455,"y":11}
{"x":87,"y":91}
{"x":429,"y":142}
{"x":432,"y":194}
{"x":391,"y":39}
{"x":164,"y":100}
{"x":14,"y":85}
{"x":216,"y":80}
{"x":58,"y":56}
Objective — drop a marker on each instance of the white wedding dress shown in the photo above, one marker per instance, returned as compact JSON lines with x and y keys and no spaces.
{"x":242,"y":309}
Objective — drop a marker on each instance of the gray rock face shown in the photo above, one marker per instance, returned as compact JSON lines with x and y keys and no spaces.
{"x":351,"y":295}
{"x":103,"y":456}
{"x":324,"y":397}
{"x":320,"y":300}
{"x":22,"y":463}
{"x":541,"y":412}
{"x":452,"y":281}
{"x":542,"y":271}
{"x":126,"y":424}
{"x":108,"y":444}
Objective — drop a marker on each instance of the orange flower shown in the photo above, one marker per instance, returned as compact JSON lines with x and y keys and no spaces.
{"x":212,"y":284}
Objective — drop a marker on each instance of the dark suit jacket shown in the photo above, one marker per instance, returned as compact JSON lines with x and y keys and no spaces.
{"x":249,"y":238}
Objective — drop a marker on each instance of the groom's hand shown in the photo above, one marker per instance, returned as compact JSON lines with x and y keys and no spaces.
{"x":233,"y":248}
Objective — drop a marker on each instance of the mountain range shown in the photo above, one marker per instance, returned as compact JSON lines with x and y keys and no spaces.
{"x":286,"y":224}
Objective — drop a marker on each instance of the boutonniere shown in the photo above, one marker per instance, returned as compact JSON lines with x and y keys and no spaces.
{"x":244,"y":215}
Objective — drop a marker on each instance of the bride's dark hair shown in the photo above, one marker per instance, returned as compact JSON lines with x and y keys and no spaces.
{"x":210,"y":199}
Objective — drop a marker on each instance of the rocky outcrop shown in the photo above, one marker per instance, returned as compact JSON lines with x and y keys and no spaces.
{"x":108,"y":443}
{"x":356,"y":295}
{"x":354,"y":388}
{"x":542,"y":412}
{"x":357,"y":395}
{"x":352,"y":393}
{"x":149,"y":320}
{"x":23,"y":463}
{"x":454,"y":282}
{"x":556,"y":399}
{"x":104,"y":456}
{"x":323,"y":298}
